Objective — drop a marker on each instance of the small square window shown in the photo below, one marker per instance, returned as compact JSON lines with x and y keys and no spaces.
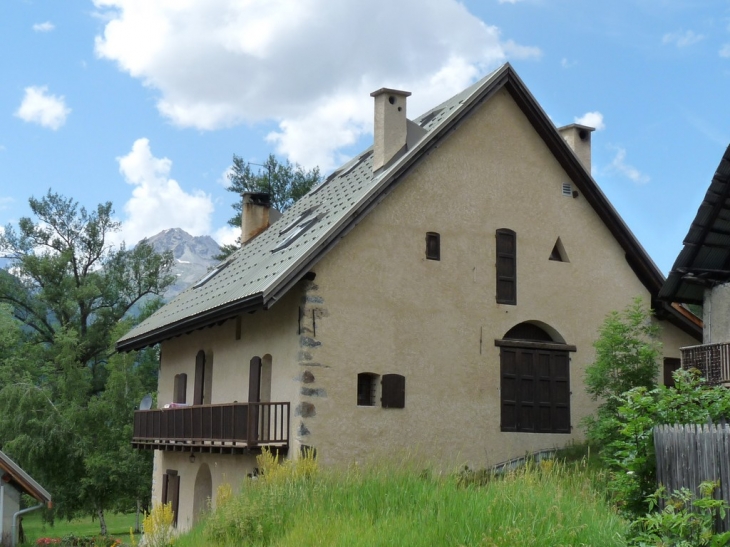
{"x":433,"y":246}
{"x":367,"y":387}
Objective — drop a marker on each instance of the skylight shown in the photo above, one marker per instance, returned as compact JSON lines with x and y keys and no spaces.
{"x":212,"y":273}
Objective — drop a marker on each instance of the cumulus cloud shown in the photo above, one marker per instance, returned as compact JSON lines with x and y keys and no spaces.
{"x":38,"y":106}
{"x":620,"y":166}
{"x":158,"y":202}
{"x":682,"y":38}
{"x":44,"y":27}
{"x":592,"y":119}
{"x":725,"y":51}
{"x":308,"y":65}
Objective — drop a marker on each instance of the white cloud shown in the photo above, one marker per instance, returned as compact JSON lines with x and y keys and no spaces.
{"x":682,"y":38}
{"x":228,"y":235}
{"x":309,"y":65}
{"x":592,"y":119}
{"x":158,"y":202}
{"x":5,"y":203}
{"x":565,"y":63}
{"x":41,"y":108}
{"x":725,"y":51}
{"x":509,"y":1}
{"x":224,"y":179}
{"x":44,"y":27}
{"x":620,"y":166}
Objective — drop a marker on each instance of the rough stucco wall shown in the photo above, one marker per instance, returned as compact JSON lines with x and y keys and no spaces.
{"x":436,"y":322}
{"x":273,"y":332}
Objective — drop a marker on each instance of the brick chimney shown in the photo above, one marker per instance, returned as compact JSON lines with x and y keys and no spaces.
{"x":254,"y":215}
{"x":393,"y":132}
{"x":578,"y":138}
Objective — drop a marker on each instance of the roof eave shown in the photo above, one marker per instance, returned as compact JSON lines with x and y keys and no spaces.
{"x":202,"y":320}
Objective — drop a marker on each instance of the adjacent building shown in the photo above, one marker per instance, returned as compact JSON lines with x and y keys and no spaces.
{"x":438,"y":296}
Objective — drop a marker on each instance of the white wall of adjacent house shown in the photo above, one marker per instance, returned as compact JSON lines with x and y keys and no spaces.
{"x":9,"y":505}
{"x":716,"y":314}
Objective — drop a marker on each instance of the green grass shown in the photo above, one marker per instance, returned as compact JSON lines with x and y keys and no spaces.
{"x":549,"y":504}
{"x":34,"y":527}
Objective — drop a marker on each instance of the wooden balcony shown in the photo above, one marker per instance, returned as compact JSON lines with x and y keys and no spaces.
{"x":234,"y":428}
{"x":712,"y":360}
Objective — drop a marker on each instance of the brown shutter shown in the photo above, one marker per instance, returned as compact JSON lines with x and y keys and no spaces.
{"x":508,"y":388}
{"x":535,"y":390}
{"x":171,"y":492}
{"x":394,"y":391}
{"x":254,"y":380}
{"x":560,"y":372}
{"x":180,"y":388}
{"x":199,"y":378}
{"x":506,"y":266}
{"x":670,"y":365}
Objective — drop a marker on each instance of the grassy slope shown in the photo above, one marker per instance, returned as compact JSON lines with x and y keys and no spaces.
{"x":545,"y":505}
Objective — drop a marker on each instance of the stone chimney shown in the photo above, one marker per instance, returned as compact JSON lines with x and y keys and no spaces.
{"x":254,"y":215}
{"x":578,"y":138}
{"x":393,"y":132}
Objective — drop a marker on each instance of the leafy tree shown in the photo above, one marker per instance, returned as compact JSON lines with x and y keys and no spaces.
{"x":285,"y":182}
{"x":66,"y":400}
{"x":627,"y":356}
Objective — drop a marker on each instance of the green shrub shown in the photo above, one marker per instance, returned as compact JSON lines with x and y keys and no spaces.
{"x":685,"y":521}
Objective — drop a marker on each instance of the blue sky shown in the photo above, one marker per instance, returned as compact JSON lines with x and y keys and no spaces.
{"x":143,"y":102}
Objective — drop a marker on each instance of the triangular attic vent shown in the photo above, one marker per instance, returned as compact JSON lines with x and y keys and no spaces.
{"x":558,"y":254}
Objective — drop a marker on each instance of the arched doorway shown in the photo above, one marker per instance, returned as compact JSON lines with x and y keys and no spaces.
{"x":203,"y":492}
{"x":534,"y":379}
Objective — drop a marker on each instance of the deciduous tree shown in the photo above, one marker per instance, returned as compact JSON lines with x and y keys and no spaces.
{"x":66,"y":400}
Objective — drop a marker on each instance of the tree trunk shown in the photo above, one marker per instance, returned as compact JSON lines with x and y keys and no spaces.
{"x":102,"y":522}
{"x":136,"y":521}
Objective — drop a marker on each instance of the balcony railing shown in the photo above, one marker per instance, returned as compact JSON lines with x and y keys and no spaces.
{"x":226,"y":428}
{"x":712,"y":360}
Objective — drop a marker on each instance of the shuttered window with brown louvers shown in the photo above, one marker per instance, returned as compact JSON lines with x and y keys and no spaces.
{"x":171,"y":492}
{"x":199,"y":378}
{"x":506,"y":266}
{"x":535,"y":390}
{"x":180,"y":388}
{"x":393,"y":391}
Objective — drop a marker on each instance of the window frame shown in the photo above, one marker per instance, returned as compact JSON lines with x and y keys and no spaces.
{"x":433,"y":246}
{"x":367,"y":389}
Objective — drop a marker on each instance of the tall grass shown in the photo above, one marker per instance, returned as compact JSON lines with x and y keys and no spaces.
{"x":547,"y":504}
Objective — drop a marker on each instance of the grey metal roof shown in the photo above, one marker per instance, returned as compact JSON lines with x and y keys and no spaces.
{"x":23,"y":480}
{"x":256,"y":277}
{"x":704,"y":260}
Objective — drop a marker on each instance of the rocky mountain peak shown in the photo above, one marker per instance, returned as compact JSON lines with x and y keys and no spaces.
{"x":193,"y":256}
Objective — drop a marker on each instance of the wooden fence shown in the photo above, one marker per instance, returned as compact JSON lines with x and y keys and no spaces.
{"x":687,"y":455}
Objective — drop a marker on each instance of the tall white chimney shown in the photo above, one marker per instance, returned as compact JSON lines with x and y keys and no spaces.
{"x":391,"y":125}
{"x":578,"y":138}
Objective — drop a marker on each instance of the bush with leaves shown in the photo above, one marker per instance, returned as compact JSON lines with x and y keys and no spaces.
{"x":627,"y":356}
{"x":684,"y":521}
{"x":631,"y":455}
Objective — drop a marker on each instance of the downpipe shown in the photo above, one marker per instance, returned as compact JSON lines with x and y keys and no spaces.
{"x":15,"y":521}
